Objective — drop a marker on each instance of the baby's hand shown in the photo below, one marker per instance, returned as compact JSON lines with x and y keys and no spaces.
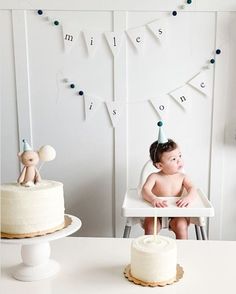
{"x":184,"y":201}
{"x":159,"y":203}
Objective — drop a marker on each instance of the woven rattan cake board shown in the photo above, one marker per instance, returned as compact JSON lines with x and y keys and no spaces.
{"x":66,"y":223}
{"x":179,"y":275}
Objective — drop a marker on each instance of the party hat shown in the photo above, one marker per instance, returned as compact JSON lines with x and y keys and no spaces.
{"x":26,"y":146}
{"x":161,"y":136}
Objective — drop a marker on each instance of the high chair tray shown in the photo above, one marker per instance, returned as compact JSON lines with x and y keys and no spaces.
{"x":135,"y":206}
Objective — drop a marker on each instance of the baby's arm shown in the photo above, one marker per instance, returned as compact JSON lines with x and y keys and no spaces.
{"x":148,"y":195}
{"x":192,"y":193}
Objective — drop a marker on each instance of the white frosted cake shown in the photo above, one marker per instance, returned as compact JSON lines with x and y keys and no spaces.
{"x":31,"y":211}
{"x":154,"y":260}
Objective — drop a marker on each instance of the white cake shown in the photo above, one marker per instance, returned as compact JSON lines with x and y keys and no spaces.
{"x":30,"y":211}
{"x":154,"y":260}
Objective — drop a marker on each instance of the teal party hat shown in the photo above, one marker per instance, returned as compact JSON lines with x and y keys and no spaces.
{"x":161,"y":136}
{"x":26,"y":146}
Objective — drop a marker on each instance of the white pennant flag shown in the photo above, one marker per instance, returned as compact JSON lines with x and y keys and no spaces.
{"x":91,"y":104}
{"x":161,"y":105}
{"x":115,"y":109}
{"x":201,"y":83}
{"x":114,"y":40}
{"x":92,"y":41}
{"x":70,"y":36}
{"x":159,"y":28}
{"x":137,"y":37}
{"x":181,"y":95}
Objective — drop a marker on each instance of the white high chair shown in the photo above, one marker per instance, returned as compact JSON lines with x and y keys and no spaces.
{"x":135,"y":209}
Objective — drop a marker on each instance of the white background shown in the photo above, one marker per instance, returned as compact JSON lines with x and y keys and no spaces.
{"x":94,"y":161}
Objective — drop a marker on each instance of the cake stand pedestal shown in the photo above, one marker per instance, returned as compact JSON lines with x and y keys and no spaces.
{"x":35,"y":253}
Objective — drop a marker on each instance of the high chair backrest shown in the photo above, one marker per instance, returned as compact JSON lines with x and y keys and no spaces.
{"x":147,"y":169}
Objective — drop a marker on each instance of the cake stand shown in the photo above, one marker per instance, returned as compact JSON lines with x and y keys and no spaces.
{"x":35,"y":253}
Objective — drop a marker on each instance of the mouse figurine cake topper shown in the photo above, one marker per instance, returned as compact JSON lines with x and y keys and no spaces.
{"x":29,"y":158}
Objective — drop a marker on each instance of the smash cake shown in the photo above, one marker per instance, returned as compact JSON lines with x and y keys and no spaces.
{"x":153,"y":261}
{"x":32,"y":207}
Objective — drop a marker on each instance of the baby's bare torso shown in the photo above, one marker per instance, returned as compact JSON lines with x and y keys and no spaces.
{"x":168,"y":185}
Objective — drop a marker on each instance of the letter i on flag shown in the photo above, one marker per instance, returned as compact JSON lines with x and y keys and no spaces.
{"x":91,"y":105}
{"x":92,"y":41}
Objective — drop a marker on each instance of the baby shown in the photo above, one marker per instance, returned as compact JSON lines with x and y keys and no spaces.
{"x":168,"y":181}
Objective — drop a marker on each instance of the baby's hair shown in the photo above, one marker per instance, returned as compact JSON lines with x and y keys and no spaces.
{"x":156,"y":150}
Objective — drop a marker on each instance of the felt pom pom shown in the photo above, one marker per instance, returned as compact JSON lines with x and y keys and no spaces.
{"x":47,"y":153}
{"x":160,"y":123}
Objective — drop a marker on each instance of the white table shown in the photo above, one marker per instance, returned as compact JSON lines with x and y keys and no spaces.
{"x":135,"y":207}
{"x":95,"y":265}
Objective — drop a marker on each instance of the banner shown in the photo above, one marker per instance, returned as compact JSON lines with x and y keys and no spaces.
{"x":70,"y":36}
{"x":91,"y":105}
{"x":115,"y":110}
{"x":92,"y":40}
{"x":159,"y":29}
{"x":114,"y":41}
{"x":137,"y":37}
{"x":161,"y":105}
{"x":181,"y":96}
{"x":201,"y":83}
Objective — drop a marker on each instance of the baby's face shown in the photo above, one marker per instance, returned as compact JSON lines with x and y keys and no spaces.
{"x":171,"y":162}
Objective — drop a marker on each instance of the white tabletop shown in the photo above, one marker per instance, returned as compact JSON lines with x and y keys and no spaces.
{"x":135,"y":206}
{"x":95,"y":265}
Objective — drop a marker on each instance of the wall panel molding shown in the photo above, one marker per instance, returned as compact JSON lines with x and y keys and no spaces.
{"x":20,"y":40}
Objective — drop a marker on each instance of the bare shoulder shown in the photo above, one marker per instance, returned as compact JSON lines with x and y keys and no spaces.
{"x":187,"y":180}
{"x":152,"y":177}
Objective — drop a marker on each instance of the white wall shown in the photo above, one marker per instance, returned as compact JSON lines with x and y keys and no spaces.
{"x":95,"y":161}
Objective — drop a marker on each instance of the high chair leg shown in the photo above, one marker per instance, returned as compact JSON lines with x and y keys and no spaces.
{"x":203,"y":232}
{"x":197,"y":232}
{"x":127,"y":231}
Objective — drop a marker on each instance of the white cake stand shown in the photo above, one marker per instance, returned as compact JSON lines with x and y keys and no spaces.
{"x":35,"y":253}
